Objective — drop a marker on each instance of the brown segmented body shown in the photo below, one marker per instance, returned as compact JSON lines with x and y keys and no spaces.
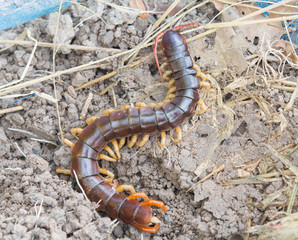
{"x":134,"y":121}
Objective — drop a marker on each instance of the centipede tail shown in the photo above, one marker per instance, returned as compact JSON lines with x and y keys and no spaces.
{"x":133,"y":121}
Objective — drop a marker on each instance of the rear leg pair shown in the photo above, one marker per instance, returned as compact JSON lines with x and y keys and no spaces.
{"x":133,"y":195}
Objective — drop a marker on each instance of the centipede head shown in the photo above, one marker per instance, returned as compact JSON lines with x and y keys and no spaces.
{"x":171,"y":41}
{"x":144,"y":218}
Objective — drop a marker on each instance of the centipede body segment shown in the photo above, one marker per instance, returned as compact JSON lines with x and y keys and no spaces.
{"x":134,"y":121}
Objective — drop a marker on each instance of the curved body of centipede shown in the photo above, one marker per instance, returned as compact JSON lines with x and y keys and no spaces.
{"x":134,"y":121}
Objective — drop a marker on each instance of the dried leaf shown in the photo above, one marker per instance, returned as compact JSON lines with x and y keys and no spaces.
{"x":281,"y":229}
{"x":226,"y":53}
{"x":139,"y":4}
{"x":160,"y":8}
{"x":254,"y":34}
{"x":290,"y":52}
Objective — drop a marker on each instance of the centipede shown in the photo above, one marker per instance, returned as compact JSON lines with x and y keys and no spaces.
{"x":185,"y":81}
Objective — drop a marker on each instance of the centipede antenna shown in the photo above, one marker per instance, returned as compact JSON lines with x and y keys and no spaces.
{"x":155,"y":50}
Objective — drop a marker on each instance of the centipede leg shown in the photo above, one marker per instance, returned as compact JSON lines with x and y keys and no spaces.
{"x":162,"y":141}
{"x":151,"y":104}
{"x":132,"y":141}
{"x":75,"y":131}
{"x":68,"y":142}
{"x":155,"y":203}
{"x":140,"y":104}
{"x":144,"y":140}
{"x":171,"y":90}
{"x":203,"y":107}
{"x":199,"y":73}
{"x":170,"y":94}
{"x":171,"y":83}
{"x":167,"y":74}
{"x":63,"y":171}
{"x":203,"y":82}
{"x":125,"y":107}
{"x":107,"y":173}
{"x":116,"y":148}
{"x":110,"y":151}
{"x":121,"y":143}
{"x":125,"y":187}
{"x":90,"y":119}
{"x":205,"y":85}
{"x":147,"y":229}
{"x":108,"y":111}
{"x":105,"y":157}
{"x":164,"y":65}
{"x":179,"y":135}
{"x":138,"y":195}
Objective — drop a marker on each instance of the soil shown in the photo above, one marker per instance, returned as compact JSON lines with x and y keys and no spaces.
{"x":38,"y":203}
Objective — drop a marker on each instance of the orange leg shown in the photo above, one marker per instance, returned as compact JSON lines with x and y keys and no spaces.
{"x":171,"y":96}
{"x":146,"y":229}
{"x":140,"y":104}
{"x":126,"y":187}
{"x":155,"y":203}
{"x":166,"y":74}
{"x":171,"y":90}
{"x":91,"y":119}
{"x":151,"y":104}
{"x":203,"y":107}
{"x":68,"y":142}
{"x":132,"y":141}
{"x":116,"y":148}
{"x":171,"y":83}
{"x":138,"y":195}
{"x":203,"y":82}
{"x":164,"y":65}
{"x":199,"y":73}
{"x":110,"y":151}
{"x":105,"y":157}
{"x":108,"y":173}
{"x":76,"y":131}
{"x":162,"y":141}
{"x":121,"y":143}
{"x":125,"y":107}
{"x":108,"y":111}
{"x":179,"y":135}
{"x":144,"y":140}
{"x":205,"y":85}
{"x":64,"y":171}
